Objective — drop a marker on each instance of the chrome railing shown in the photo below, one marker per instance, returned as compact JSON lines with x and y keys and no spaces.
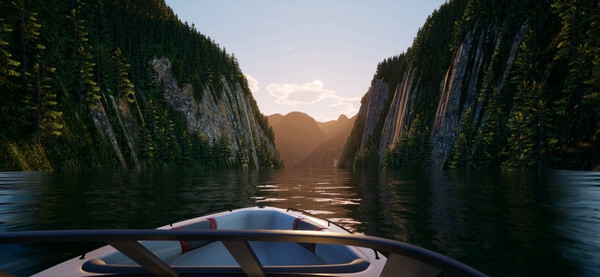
{"x":402,"y":259}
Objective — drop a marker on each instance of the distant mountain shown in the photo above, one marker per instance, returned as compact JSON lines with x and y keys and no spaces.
{"x":334,"y":126}
{"x":304,"y":142}
{"x":275,"y":119}
{"x":328,"y":153}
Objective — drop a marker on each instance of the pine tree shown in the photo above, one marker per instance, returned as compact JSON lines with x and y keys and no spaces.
{"x":222,"y":151}
{"x":577,"y":43}
{"x":38,"y":111}
{"x":28,"y":34}
{"x":242,"y":155}
{"x":186,"y":149}
{"x":529,"y":124}
{"x":8,"y":65}
{"x":146,"y":146}
{"x":591,"y":53}
{"x":150,"y":135}
{"x":124,"y":87}
{"x":87,"y":90}
{"x":8,"y":80}
{"x":46,"y":120}
{"x":463,"y":152}
{"x":166,"y":139}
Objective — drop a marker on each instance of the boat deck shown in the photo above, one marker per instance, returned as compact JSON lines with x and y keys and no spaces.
{"x":189,"y":256}
{"x":256,"y":242}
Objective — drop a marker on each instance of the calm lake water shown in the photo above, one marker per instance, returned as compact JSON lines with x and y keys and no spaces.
{"x":502,"y":223}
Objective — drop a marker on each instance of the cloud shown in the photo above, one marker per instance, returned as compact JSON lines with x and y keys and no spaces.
{"x":311,"y":93}
{"x":252,"y":83}
{"x":350,"y":105}
{"x":294,"y":94}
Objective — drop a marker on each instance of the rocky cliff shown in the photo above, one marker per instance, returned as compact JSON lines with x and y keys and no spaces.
{"x":230,"y":115}
{"x":507,"y":93}
{"x":128,"y":86}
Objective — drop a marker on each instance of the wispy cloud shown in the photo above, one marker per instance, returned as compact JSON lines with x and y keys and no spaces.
{"x":252,"y":83}
{"x":312,"y":93}
{"x":350,"y":105}
{"x":294,"y":94}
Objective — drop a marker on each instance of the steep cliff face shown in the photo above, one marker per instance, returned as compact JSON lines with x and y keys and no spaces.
{"x":459,"y":94}
{"x":451,"y":112}
{"x":398,"y":118}
{"x":228,"y":119}
{"x":101,"y":101}
{"x":509,"y":94}
{"x":459,"y":107}
{"x":230,"y":116}
{"x":371,"y":110}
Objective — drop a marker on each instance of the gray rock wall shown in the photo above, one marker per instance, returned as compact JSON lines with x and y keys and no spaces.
{"x":465,"y":90}
{"x":230,"y":115}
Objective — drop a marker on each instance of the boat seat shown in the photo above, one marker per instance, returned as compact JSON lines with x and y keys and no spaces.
{"x":305,"y":225}
{"x":213,"y":257}
{"x":276,"y":257}
{"x":201,"y":225}
{"x":268,"y":220}
{"x":165,"y":250}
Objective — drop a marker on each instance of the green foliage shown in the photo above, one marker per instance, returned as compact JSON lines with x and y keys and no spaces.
{"x":124,"y":87}
{"x":222,"y":151}
{"x":41,"y":102}
{"x":268,"y":158}
{"x":8,"y":65}
{"x":409,"y":151}
{"x":368,"y":158}
{"x":537,"y":106}
{"x":61,"y":62}
{"x":462,"y":156}
{"x":352,"y":144}
{"x":86,"y":89}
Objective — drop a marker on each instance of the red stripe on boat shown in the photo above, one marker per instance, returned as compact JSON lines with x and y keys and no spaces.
{"x":296,"y":223}
{"x":213,"y":223}
{"x":185,"y":246}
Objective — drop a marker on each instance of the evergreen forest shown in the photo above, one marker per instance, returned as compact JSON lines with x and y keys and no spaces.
{"x":63,"y":61}
{"x":527,"y":93}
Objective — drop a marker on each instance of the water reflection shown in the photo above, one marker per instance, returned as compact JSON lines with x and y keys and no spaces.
{"x":320,"y":191}
{"x":578,"y":210}
{"x":503,"y":223}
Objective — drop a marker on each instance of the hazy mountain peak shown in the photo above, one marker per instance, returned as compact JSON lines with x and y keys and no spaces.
{"x":342,"y":117}
{"x":302,"y":141}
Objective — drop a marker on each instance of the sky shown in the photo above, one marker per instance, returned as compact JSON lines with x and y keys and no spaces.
{"x":312,"y":56}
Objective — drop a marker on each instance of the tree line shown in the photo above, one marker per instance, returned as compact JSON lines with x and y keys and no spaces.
{"x":59,"y":60}
{"x":546,"y":115}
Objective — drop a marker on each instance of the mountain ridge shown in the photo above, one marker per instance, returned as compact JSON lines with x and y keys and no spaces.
{"x":304,"y":142}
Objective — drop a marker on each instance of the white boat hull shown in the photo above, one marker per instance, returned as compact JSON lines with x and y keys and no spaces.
{"x":260,"y":241}
{"x":273,"y":257}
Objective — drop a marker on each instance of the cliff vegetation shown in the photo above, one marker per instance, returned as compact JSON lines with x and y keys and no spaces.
{"x":488,"y":84}
{"x":107,"y":84}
